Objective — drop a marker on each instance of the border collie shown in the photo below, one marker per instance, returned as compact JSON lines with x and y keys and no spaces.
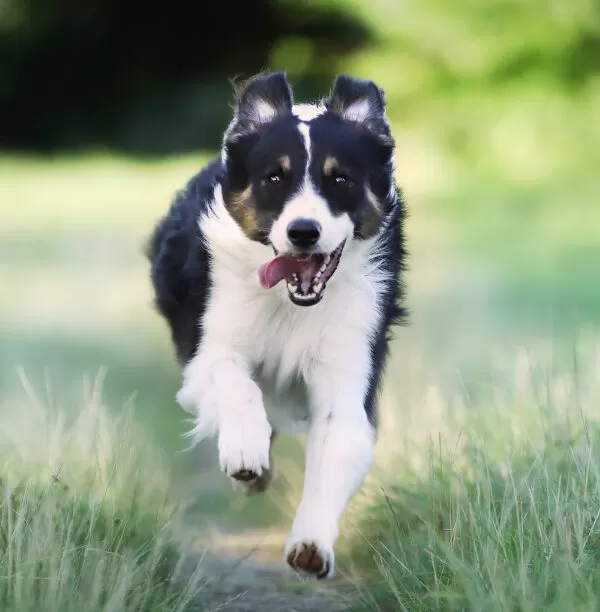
{"x":277,"y":269}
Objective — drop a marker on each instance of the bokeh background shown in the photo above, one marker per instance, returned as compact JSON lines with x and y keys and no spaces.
{"x":107,"y":107}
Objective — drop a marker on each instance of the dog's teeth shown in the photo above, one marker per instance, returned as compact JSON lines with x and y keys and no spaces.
{"x":293,"y":288}
{"x":305,"y":296}
{"x":318,"y":275}
{"x":323,"y":267}
{"x":327,"y":259}
{"x":317,"y":288}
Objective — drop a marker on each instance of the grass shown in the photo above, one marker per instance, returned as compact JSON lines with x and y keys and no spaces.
{"x":84,"y":517}
{"x":495,"y":507}
{"x":494,"y":266}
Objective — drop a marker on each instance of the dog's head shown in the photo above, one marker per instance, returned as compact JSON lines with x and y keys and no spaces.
{"x":309,"y":180}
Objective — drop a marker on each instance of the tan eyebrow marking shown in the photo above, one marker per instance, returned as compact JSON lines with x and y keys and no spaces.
{"x":330,"y":164}
{"x":285,"y":162}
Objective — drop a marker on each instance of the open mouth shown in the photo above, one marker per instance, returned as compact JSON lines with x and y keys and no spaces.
{"x":306,"y":276}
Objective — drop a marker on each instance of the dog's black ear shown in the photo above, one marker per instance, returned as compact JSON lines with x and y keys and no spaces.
{"x":260,"y":100}
{"x":360,"y":101}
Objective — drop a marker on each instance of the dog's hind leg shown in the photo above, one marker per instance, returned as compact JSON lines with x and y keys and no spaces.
{"x":218,"y":389}
{"x":339,"y":454}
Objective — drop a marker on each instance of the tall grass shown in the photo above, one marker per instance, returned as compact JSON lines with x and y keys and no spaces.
{"x":84,"y":518}
{"x":500,"y":509}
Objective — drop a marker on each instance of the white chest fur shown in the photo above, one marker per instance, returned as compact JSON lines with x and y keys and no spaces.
{"x":278,"y":340}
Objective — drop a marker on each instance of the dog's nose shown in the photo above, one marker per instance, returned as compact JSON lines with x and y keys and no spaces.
{"x":304,"y":233}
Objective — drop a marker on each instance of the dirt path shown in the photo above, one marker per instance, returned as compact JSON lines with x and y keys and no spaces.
{"x":246,"y":573}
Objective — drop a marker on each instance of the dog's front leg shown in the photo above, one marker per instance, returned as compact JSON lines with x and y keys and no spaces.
{"x":339,"y":454}
{"x":218,"y":389}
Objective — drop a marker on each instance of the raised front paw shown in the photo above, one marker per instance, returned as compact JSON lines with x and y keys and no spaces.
{"x":244,"y":449}
{"x":310,"y":557}
{"x":249,"y":482}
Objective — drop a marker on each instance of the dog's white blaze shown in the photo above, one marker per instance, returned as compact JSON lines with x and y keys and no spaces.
{"x":307,"y":203}
{"x":308,"y":112}
{"x":256,"y":343}
{"x":305,"y":133}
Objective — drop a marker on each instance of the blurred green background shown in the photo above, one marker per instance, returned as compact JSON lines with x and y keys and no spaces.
{"x":108,"y":106}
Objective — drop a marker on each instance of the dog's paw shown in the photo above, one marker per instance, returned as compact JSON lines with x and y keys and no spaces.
{"x":249,"y":483}
{"x":255,"y":485}
{"x":244,"y":449}
{"x":310,"y":557}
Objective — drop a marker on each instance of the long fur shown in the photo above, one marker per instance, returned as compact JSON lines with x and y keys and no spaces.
{"x":252,"y":359}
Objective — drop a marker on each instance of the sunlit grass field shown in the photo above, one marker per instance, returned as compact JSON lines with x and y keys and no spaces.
{"x":82,"y":525}
{"x":486,"y":493}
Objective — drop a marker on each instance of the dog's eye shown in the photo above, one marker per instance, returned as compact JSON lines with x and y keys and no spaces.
{"x":274,"y":178}
{"x":341,"y":179}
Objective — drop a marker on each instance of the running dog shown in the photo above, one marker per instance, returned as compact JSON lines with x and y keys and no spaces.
{"x":278,"y":269}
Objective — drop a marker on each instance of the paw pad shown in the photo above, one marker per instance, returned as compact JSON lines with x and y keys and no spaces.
{"x":308,"y":559}
{"x":245,"y":475}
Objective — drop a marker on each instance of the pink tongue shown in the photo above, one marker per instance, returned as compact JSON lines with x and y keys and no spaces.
{"x":276,"y":270}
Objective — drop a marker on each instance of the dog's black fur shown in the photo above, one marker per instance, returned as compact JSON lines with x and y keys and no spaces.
{"x":180,"y":262}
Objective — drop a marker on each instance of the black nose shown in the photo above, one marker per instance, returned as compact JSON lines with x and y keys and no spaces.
{"x":303,"y":233}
